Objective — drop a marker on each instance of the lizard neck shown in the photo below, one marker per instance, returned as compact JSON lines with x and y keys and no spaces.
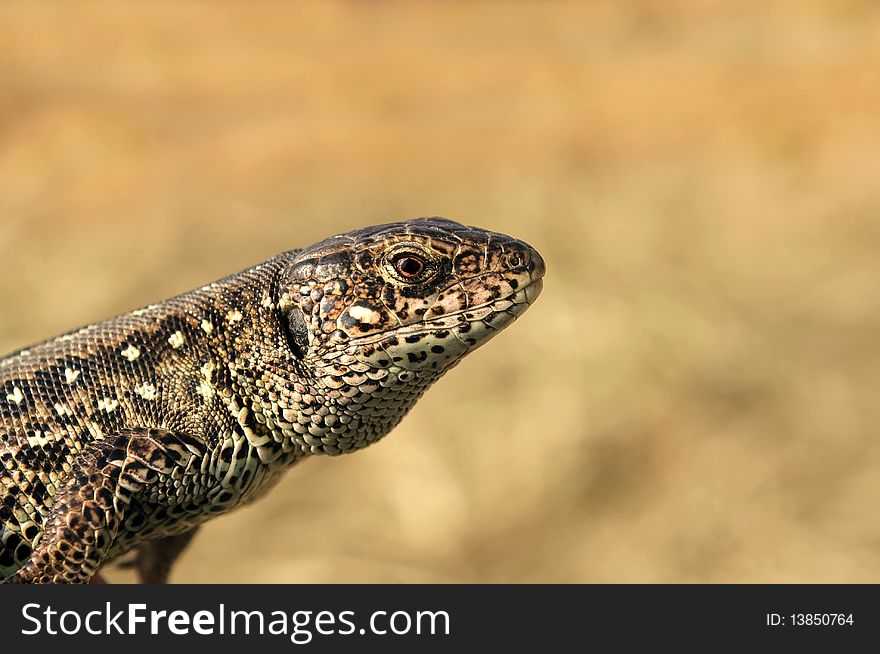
{"x":289,"y":407}
{"x":315,"y":412}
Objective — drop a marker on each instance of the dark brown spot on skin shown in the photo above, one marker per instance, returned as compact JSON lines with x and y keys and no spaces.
{"x":22,"y":552}
{"x":13,"y":541}
{"x":347,"y":321}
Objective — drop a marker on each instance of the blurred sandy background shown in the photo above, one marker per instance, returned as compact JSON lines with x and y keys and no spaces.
{"x":694,"y":398}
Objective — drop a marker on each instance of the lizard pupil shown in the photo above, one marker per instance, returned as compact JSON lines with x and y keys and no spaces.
{"x":410,"y":266}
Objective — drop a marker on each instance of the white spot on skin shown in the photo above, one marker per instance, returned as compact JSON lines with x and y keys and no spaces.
{"x":16,"y":396}
{"x":38,"y":440}
{"x":146,"y":391}
{"x":95,"y":431}
{"x":176,"y":341}
{"x":62,"y":410}
{"x":206,"y":390}
{"x":107,"y":405}
{"x":140,"y":312}
{"x":364,"y":314}
{"x":207,"y":327}
{"x":131,"y":353}
{"x":71,"y":375}
{"x":234,"y":316}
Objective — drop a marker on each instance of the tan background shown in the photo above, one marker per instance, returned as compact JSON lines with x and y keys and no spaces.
{"x":694,"y":398}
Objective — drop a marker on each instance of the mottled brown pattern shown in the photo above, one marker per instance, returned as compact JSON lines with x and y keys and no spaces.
{"x":138,"y":429}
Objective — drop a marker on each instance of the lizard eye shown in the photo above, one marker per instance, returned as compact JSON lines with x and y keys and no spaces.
{"x":414,"y":264}
{"x":409,"y":265}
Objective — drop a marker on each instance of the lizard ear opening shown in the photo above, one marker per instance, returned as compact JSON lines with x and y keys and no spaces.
{"x":296,"y":332}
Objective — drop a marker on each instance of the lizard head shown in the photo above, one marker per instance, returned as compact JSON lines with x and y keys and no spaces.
{"x":413,"y":296}
{"x":376,"y":315}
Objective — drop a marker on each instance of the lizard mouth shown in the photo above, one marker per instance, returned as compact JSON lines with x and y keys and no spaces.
{"x":489,"y":318}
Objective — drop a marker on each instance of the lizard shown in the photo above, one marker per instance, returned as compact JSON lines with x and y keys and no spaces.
{"x":122,"y":437}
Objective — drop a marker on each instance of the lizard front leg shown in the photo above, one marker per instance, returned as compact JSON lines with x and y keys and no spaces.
{"x":90,"y":506}
{"x":155,"y":558}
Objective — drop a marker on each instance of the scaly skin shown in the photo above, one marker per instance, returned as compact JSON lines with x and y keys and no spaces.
{"x":127,"y":434}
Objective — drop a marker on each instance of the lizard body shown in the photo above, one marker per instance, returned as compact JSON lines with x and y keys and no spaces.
{"x":127,"y":434}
